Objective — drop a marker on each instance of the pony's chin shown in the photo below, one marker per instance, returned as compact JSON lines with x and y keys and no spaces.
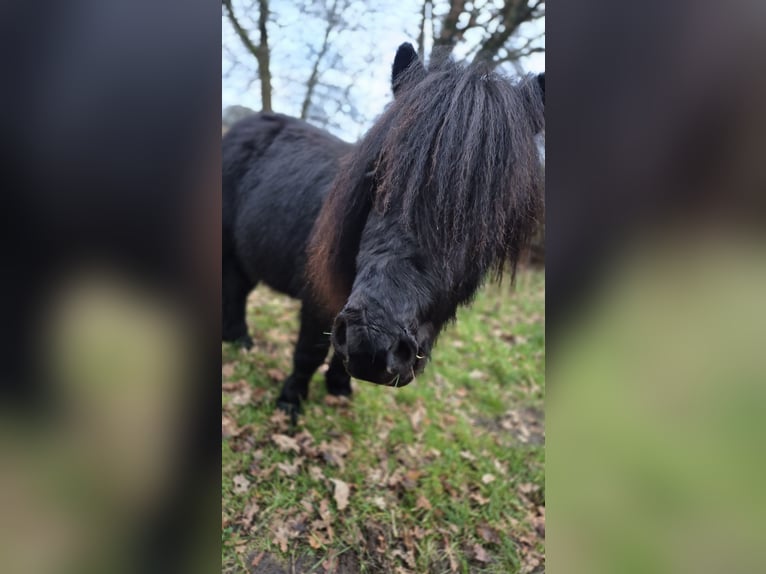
{"x":404,"y":380}
{"x":397,"y":382}
{"x":387,"y":379}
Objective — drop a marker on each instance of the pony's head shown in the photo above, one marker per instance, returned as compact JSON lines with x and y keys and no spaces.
{"x":444,"y":190}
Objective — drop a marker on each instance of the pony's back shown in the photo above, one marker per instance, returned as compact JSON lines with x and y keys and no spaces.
{"x":276,"y":172}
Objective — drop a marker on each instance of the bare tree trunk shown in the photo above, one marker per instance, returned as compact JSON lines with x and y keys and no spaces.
{"x":424,"y":16}
{"x":260,"y":51}
{"x":264,"y":56}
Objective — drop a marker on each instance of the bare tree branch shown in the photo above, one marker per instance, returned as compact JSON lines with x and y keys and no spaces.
{"x":260,"y":51}
{"x":515,"y":55}
{"x":449,"y":34}
{"x":514,"y":13}
{"x":240,"y":30}
{"x":332,"y":20}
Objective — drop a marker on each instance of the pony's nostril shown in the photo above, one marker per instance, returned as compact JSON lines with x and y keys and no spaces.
{"x":339,"y":333}
{"x":404,"y":352}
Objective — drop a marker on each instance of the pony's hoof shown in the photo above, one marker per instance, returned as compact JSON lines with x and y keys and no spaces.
{"x":339,"y":389}
{"x":244,"y":342}
{"x":290,"y":409}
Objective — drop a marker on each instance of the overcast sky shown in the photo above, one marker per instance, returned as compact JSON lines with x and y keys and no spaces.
{"x":368,"y":51}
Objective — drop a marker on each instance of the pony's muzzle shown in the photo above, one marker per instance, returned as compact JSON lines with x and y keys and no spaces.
{"x":369,"y":355}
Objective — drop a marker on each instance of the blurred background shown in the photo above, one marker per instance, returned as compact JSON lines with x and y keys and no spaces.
{"x":655,"y":259}
{"x":109,"y":289}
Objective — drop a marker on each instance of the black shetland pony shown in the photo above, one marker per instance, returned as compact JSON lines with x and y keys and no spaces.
{"x":382,"y":240}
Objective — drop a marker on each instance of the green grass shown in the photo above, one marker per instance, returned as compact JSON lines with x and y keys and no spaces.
{"x":446,"y":474}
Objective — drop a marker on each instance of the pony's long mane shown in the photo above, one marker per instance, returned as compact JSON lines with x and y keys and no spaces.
{"x":454,"y":156}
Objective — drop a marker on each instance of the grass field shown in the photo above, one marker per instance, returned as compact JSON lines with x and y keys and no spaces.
{"x":444,"y":475}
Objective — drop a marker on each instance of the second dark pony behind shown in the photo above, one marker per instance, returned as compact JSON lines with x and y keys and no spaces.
{"x":383,"y":240}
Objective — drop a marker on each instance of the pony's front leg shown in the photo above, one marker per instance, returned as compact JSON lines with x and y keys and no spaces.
{"x":310,"y":352}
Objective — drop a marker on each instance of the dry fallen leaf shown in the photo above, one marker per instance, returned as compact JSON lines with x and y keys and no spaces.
{"x":488,"y":534}
{"x":316,"y":473}
{"x":407,"y":557}
{"x":423,"y":503}
{"x":530,"y":563}
{"x":229,"y":427}
{"x":476,"y":375}
{"x":416,"y":417}
{"x":453,"y":563}
{"x":290,"y":469}
{"x":314,"y":541}
{"x":279,"y":419}
{"x":257,"y":559}
{"x":336,"y":450}
{"x":227,"y":369}
{"x":501,"y":468}
{"x":330,"y":564}
{"x":448,"y":419}
{"x":337,"y":401}
{"x":380,"y":502}
{"x":240,"y":393}
{"x":480,"y":554}
{"x":249,"y":514}
{"x":410,"y":480}
{"x":467,"y":455}
{"x":478,"y":498}
{"x":276,"y":375}
{"x":280,"y":537}
{"x":285,"y":442}
{"x":487,"y":478}
{"x":241,"y":484}
{"x":341,"y":493}
{"x":324,"y":511}
{"x":528,"y":488}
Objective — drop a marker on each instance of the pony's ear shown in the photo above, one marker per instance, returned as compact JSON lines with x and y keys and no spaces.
{"x":541,"y":84}
{"x":533,"y":91}
{"x":407,"y":67}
